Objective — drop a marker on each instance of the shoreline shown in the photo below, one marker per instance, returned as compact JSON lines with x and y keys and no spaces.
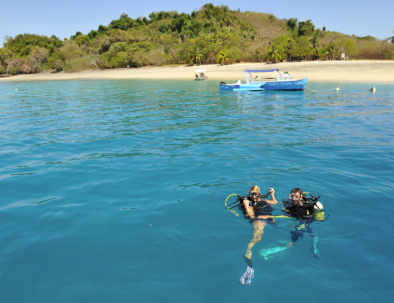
{"x":357,"y":71}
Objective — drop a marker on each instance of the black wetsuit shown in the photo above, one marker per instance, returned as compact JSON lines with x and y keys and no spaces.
{"x":304,"y":214}
{"x":262,"y":209}
{"x":300,"y":212}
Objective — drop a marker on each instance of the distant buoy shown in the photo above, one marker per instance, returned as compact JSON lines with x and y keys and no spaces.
{"x":373,"y":89}
{"x":337,"y":89}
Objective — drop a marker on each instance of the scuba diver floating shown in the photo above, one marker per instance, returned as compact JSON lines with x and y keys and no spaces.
{"x":255,"y":207}
{"x":305,"y":210}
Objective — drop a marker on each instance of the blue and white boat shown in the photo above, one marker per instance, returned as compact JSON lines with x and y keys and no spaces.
{"x":277,"y":81}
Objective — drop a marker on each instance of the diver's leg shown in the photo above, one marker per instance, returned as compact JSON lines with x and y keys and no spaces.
{"x":294,"y":237}
{"x":308,"y":229}
{"x":258,"y":231}
{"x":314,"y":250}
{"x":314,"y":241}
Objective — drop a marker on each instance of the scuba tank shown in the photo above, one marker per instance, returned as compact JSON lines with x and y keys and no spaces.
{"x":318,"y":214}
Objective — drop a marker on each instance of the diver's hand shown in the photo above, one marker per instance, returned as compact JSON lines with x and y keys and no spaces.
{"x":264,"y":217}
{"x":271,"y":191}
{"x":250,"y":213}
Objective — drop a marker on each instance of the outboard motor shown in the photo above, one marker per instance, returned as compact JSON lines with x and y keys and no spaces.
{"x":222,"y":83}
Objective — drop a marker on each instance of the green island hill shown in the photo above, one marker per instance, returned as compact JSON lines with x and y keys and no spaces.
{"x":211,"y":35}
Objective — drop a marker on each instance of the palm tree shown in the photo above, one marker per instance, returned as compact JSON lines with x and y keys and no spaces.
{"x":392,"y":38}
{"x":292,"y":24}
{"x":315,"y":43}
{"x":331,"y":50}
{"x":223,"y":56}
{"x":273,"y":54}
{"x":289,"y":48}
{"x":196,"y":55}
{"x":258,"y":55}
{"x":167,"y":54}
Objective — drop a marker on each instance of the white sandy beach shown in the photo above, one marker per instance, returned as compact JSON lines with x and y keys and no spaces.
{"x":358,"y":71}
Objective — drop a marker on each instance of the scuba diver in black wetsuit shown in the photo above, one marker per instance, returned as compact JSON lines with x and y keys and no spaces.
{"x":260,"y":211}
{"x":301,"y":208}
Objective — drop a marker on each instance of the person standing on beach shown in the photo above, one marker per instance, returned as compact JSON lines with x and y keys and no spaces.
{"x":260,"y":211}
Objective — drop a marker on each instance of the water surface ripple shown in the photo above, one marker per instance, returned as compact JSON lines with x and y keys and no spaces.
{"x":113,"y":191}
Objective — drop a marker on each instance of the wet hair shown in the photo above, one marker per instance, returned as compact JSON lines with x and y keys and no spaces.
{"x":254,"y":188}
{"x":297,"y":190}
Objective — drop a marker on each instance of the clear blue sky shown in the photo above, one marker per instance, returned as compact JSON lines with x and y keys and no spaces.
{"x":64,"y":18}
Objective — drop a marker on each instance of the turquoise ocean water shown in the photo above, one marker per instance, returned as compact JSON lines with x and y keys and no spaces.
{"x":113,"y":191}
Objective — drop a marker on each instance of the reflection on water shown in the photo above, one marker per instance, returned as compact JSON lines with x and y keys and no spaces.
{"x":77,"y":154}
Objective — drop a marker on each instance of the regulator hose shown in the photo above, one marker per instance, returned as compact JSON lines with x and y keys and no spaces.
{"x":225,"y":203}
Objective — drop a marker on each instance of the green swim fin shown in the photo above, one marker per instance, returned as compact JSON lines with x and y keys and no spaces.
{"x":270,"y":251}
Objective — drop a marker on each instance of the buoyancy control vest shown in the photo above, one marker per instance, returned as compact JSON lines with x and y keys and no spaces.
{"x":302,"y":211}
{"x":309,"y":209}
{"x":259,"y":207}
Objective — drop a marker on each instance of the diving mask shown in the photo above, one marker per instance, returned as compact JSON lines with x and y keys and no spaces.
{"x":294,"y":197}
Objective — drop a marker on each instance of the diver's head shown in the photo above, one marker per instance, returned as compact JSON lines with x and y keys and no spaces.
{"x":296,"y":196}
{"x":255,"y":193}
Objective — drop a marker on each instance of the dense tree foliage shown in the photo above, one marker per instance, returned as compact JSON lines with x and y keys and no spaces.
{"x":212,"y":34}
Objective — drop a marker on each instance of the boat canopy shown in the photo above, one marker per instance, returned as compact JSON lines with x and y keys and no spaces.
{"x":261,"y":71}
{"x":200,"y":71}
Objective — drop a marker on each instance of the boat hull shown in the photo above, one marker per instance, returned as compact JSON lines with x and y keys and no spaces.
{"x":241,"y":87}
{"x":296,"y":85}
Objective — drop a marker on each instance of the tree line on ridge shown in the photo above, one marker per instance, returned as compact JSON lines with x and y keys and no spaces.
{"x":213,"y":34}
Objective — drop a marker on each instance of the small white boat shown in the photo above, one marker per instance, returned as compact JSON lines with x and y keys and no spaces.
{"x":200,"y":75}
